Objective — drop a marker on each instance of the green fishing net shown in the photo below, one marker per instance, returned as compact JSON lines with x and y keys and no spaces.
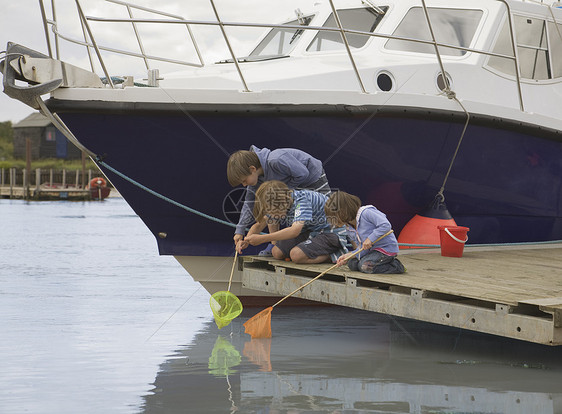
{"x":225,"y":307}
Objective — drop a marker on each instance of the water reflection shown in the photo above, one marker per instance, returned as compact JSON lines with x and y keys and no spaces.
{"x":338,"y":360}
{"x":224,"y":357}
{"x":258,"y":352}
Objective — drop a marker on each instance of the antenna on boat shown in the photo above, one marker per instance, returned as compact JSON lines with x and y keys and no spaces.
{"x":376,"y":8}
{"x":300,"y":17}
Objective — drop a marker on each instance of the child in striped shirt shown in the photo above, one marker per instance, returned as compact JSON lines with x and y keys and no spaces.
{"x":307,"y":237}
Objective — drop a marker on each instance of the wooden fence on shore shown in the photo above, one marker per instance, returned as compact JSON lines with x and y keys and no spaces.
{"x":46,"y":183}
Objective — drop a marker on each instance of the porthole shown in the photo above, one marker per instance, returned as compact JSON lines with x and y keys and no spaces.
{"x":385,"y":82}
{"x":441,"y":82}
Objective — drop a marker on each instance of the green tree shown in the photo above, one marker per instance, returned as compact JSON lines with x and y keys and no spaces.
{"x":6,"y":141}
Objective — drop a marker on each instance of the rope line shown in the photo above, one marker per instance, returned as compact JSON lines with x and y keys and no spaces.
{"x":452,"y":95}
{"x":163,"y":197}
{"x":188,"y":299}
{"x":215,"y":219}
{"x":197,"y":123}
{"x":485,"y":244}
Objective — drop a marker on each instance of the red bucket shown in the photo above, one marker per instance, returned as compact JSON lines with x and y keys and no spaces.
{"x":453,"y":239}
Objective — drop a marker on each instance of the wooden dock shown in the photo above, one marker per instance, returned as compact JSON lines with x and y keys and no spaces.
{"x":49,"y":185}
{"x":510,"y":291}
{"x":46,"y":193}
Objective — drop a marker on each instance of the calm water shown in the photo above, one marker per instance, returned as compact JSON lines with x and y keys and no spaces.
{"x":94,"y":321}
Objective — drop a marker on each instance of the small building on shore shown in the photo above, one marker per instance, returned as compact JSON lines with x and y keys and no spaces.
{"x":46,"y":140}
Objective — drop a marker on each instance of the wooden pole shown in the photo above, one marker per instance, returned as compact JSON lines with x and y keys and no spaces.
{"x":27,"y":168}
{"x":12,"y":179}
{"x":37,"y":179}
{"x":24,"y":183}
{"x":83,"y":169}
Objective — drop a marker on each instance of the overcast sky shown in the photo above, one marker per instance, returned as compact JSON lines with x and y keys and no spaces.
{"x":20,"y":22}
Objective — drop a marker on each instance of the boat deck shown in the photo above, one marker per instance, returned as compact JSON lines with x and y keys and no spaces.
{"x":511,"y":291}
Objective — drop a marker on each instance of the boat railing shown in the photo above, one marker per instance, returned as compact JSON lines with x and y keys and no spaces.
{"x":93,"y":44}
{"x":166,"y":18}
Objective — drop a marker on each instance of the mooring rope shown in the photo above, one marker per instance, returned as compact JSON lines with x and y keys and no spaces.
{"x":199,"y":213}
{"x":161,"y":196}
{"x":215,"y":219}
{"x":484,"y":244}
{"x":450,"y":94}
{"x":68,"y":133}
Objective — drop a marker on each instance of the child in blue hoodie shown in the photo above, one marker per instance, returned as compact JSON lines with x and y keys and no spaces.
{"x":296,"y":168}
{"x":364,"y":224}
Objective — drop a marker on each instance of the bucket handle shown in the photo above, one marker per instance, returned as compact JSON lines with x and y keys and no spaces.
{"x":455,"y":238}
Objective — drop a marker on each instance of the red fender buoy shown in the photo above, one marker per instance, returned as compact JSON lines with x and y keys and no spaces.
{"x":424,"y":228}
{"x":98,"y":182}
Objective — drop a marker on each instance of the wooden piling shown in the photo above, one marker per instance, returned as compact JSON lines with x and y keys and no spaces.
{"x":25,"y":183}
{"x":37,"y":180}
{"x":83,"y":169}
{"x":27,"y":171}
{"x":12,"y":181}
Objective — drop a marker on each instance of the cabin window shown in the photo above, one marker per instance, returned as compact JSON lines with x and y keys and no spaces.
{"x":539,"y":49}
{"x":555,"y":43}
{"x":364,"y":20}
{"x":455,"y":27}
{"x":532,"y":47}
{"x":280,"y":42}
{"x":503,"y":47}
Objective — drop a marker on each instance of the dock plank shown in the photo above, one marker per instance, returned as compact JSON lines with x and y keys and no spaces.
{"x":526,"y":279}
{"x":476,"y":275}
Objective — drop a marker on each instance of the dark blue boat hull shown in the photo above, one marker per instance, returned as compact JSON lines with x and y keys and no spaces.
{"x":505,"y":183}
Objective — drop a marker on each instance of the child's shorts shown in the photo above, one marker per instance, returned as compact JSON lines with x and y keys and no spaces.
{"x":320,"y":245}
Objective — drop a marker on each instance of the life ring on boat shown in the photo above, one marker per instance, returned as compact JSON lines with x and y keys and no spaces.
{"x":98,"y":182}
